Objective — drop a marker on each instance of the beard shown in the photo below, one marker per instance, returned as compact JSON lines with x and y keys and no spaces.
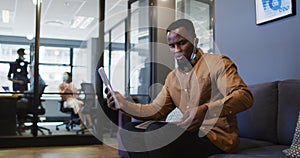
{"x":184,"y":64}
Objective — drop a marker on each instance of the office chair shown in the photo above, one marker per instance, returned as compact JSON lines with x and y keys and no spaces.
{"x":39,"y":111}
{"x":73,"y":120}
{"x":89,"y":103}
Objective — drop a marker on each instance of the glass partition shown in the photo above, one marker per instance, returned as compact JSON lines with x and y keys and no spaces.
{"x":67,"y":33}
{"x":140,"y":51}
{"x":69,"y":42}
{"x":201,"y":13}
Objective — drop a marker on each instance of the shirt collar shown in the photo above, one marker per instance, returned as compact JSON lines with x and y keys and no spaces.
{"x":198,"y":56}
{"x":193,"y":62}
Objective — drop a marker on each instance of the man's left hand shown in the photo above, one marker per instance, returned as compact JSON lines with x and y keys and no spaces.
{"x":192,"y":119}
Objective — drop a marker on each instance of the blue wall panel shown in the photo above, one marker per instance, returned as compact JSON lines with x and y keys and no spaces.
{"x":262,"y":53}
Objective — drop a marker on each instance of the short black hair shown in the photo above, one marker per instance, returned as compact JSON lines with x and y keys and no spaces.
{"x":187,"y":24}
{"x":20,"y":50}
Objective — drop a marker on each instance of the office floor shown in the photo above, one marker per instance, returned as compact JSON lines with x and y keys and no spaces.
{"x":107,"y":150}
{"x":61,"y":130}
{"x":87,"y":151}
{"x":108,"y":136}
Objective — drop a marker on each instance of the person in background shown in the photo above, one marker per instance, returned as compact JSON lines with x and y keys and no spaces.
{"x":18,"y":72}
{"x":25,"y":101}
{"x":206,"y":88}
{"x":70,"y":98}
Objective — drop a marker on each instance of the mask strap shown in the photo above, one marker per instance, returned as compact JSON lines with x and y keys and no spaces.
{"x":194,"y":50}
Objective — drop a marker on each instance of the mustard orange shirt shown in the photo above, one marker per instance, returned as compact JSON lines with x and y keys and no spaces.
{"x":214,"y":81}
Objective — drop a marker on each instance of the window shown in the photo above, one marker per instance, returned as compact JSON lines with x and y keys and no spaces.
{"x":54,"y":61}
{"x":200,"y":12}
{"x":80,"y":70}
{"x":54,"y":55}
{"x":8,"y":53}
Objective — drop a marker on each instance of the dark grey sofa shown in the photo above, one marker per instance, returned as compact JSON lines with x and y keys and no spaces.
{"x":268,"y":126}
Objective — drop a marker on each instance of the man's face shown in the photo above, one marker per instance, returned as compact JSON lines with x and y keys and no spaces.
{"x":179,"y":41}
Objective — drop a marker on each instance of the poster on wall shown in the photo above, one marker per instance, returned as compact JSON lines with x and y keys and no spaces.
{"x":270,"y":10}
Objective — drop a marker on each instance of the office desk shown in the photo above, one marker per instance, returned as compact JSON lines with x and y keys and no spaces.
{"x":8,"y":114}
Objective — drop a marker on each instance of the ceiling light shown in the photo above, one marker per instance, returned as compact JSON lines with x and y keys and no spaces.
{"x":35,"y":2}
{"x":5,"y":16}
{"x":78,"y":20}
{"x":55,"y":22}
{"x":29,"y":36}
{"x":87,"y":22}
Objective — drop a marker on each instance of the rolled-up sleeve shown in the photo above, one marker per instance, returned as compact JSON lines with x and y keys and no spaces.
{"x":158,"y":109}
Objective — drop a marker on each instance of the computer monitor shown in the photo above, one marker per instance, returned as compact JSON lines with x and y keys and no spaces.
{"x":5,"y":88}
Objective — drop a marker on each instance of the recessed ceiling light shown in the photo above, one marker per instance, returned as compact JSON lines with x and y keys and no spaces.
{"x":55,"y":22}
{"x":77,"y":21}
{"x":86,"y":22}
{"x":5,"y":16}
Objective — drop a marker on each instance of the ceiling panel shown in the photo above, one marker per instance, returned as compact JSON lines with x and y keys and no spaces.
{"x":61,"y":11}
{"x":8,"y":5}
{"x":57,"y":15}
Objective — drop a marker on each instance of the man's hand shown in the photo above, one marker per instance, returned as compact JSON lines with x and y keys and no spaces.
{"x":192,"y":119}
{"x":19,"y":81}
{"x":15,"y":81}
{"x":110,"y":99}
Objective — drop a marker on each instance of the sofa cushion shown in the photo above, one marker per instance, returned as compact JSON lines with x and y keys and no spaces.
{"x":246,"y":143}
{"x":260,"y":121}
{"x":288,"y":109}
{"x":266,"y":151}
{"x":273,"y":151}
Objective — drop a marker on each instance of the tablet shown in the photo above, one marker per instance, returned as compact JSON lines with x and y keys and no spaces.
{"x":108,"y":85}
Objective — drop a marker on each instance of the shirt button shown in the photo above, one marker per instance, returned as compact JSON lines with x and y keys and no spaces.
{"x":185,"y":90}
{"x":187,"y":107}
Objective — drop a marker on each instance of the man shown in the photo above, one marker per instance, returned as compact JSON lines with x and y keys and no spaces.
{"x":208,"y":91}
{"x":19,"y":71}
{"x":25,"y":102}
